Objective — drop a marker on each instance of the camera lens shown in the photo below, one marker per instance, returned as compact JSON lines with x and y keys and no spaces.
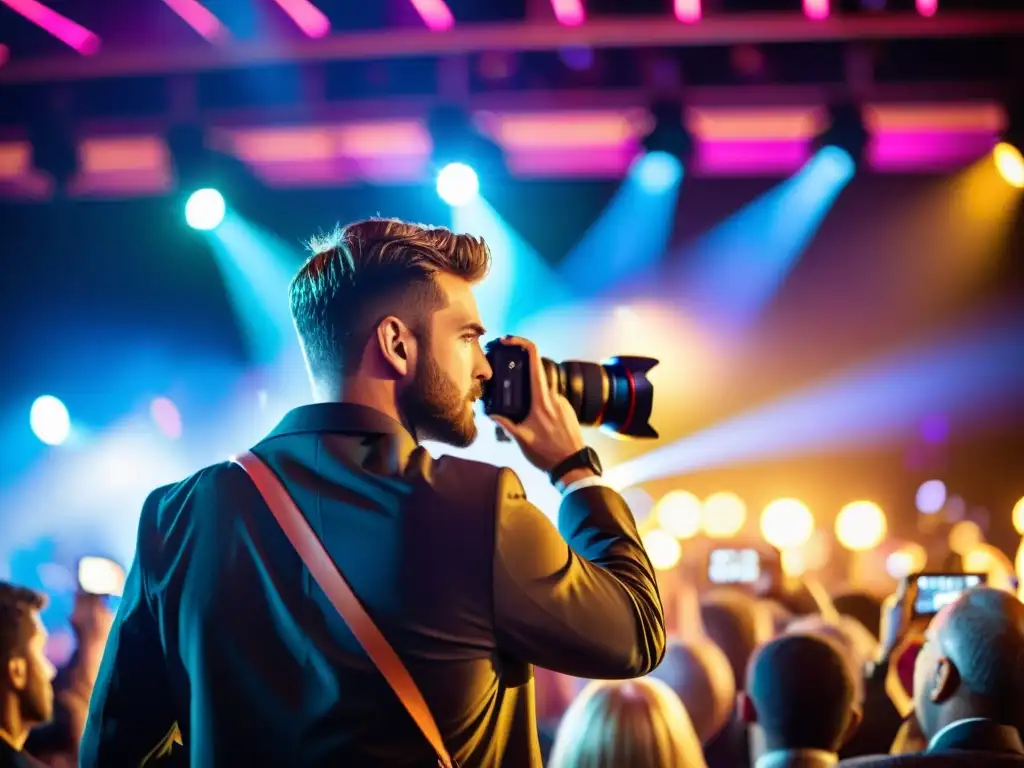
{"x":616,"y":394}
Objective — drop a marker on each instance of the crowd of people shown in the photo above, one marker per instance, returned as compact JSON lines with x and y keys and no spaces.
{"x":337,"y":596}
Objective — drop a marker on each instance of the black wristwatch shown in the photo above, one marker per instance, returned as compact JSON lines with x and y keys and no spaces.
{"x":585,"y":459}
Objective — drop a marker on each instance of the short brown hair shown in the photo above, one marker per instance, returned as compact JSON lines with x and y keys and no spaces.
{"x":16,"y":626}
{"x":361,"y":273}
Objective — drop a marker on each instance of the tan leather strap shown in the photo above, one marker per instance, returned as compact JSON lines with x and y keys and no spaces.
{"x":327,"y":575}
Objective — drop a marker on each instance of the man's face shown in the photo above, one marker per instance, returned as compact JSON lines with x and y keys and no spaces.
{"x":35,"y":691}
{"x":450,"y":369}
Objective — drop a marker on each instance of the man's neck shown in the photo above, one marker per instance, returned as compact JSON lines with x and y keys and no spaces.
{"x":376,"y":394}
{"x":13,"y":729}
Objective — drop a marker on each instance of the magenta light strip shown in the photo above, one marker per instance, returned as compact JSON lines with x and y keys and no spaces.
{"x":816,"y":9}
{"x":5,"y":54}
{"x":688,"y":11}
{"x":64,"y":29}
{"x":927,"y":151}
{"x":435,"y":14}
{"x":569,"y":13}
{"x":307,"y":17}
{"x":927,"y":7}
{"x":197,"y":16}
{"x":741,"y":158}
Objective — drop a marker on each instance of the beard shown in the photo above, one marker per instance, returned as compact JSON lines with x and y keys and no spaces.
{"x":436,"y":410}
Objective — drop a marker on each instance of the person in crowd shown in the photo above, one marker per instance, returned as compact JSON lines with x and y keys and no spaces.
{"x":699,"y":674}
{"x":696,"y":669}
{"x":221,"y":629}
{"x":639,"y":723}
{"x":57,"y":742}
{"x":737,"y":623}
{"x":26,"y":685}
{"x":801,"y":694}
{"x":969,"y":685}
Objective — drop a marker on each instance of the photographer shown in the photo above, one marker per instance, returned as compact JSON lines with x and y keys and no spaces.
{"x":223,"y":629}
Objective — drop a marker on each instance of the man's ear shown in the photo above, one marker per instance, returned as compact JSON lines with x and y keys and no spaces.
{"x":17,"y":672}
{"x":745,"y":707}
{"x":856,"y":717}
{"x":947,"y":680}
{"x":397,"y":345}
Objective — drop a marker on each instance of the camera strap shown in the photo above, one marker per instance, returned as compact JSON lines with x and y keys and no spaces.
{"x":326,"y":573}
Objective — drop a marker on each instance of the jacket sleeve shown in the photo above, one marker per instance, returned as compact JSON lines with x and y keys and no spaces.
{"x":582,"y":599}
{"x":130,"y":712}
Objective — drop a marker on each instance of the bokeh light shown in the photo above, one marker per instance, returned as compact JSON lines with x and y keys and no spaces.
{"x":908,"y":559}
{"x":1018,"y":516}
{"x":931,"y":497}
{"x":50,"y":420}
{"x":658,"y":171}
{"x":965,"y":536}
{"x":205,"y":209}
{"x":166,"y":416}
{"x":663,"y":548}
{"x":786,"y":523}
{"x":861,"y":525}
{"x":1010,"y":164}
{"x":724,"y":515}
{"x":458,"y":184}
{"x":679,"y":513}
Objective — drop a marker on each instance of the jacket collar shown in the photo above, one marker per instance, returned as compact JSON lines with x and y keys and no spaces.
{"x":977,"y":734}
{"x":346,"y":418}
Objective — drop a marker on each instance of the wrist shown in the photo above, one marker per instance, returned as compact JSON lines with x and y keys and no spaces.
{"x":574,"y":476}
{"x":585,"y":459}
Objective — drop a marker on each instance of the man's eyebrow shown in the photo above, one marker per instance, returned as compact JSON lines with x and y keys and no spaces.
{"x":478,"y":329}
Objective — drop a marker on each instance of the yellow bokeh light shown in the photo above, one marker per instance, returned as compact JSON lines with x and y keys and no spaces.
{"x":724,"y":515}
{"x":965,"y":536}
{"x":861,"y":525}
{"x":1010,"y":164}
{"x":794,"y":562}
{"x":908,"y":559}
{"x":1018,"y":516}
{"x":663,"y":548}
{"x":786,"y":523}
{"x":679,"y":513}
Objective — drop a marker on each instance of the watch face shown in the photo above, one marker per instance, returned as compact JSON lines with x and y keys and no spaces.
{"x":595,"y":461}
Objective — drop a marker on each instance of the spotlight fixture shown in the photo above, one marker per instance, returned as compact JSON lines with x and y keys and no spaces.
{"x":846,"y":131}
{"x":669,"y":133}
{"x":456,"y":140}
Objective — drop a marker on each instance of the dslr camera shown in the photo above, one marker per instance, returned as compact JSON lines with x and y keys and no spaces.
{"x":616,"y":395}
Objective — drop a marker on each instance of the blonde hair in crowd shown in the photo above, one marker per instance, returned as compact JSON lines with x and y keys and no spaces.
{"x":627,"y":724}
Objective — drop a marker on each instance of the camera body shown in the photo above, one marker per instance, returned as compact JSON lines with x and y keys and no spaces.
{"x":616,"y":395}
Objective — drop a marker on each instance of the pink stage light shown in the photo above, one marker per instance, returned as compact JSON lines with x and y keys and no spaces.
{"x":307,"y":17}
{"x":64,"y":29}
{"x":569,"y":13}
{"x":927,"y":7}
{"x":816,"y":9}
{"x":435,"y":14}
{"x":197,"y":16}
{"x":688,"y":11}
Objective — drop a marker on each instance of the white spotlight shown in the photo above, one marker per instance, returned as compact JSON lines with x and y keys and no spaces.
{"x":205,"y":209}
{"x":457,"y":184}
{"x":50,"y":420}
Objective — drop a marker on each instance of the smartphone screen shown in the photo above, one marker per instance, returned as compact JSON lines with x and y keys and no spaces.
{"x":734,"y":566}
{"x":100,"y":576}
{"x":936,"y":590}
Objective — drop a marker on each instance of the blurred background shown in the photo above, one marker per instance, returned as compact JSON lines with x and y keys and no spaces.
{"x":808,"y":212}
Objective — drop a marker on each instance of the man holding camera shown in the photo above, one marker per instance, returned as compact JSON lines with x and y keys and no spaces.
{"x":225,"y":628}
